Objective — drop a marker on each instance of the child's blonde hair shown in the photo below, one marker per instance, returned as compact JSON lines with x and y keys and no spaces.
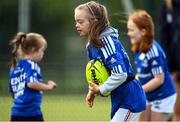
{"x":25,"y":44}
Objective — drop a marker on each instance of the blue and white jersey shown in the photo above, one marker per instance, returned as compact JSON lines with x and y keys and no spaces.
{"x":27,"y":101}
{"x":112,"y":54}
{"x":115,"y":58}
{"x":149,"y":65}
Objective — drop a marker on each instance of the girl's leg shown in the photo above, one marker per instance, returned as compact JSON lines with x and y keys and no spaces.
{"x":145,"y":115}
{"x":176,"y":116}
{"x":162,"y":110}
{"x":155,"y":116}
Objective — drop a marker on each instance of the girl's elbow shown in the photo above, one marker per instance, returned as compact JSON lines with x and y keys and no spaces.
{"x":161,"y":78}
{"x":30,"y":85}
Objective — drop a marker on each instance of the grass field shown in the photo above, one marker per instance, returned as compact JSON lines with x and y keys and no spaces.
{"x":64,"y":108}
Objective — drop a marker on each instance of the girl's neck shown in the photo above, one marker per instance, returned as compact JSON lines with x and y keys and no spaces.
{"x":27,"y":57}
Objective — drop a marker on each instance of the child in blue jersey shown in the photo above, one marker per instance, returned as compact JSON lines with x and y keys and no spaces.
{"x":152,"y":70}
{"x":127,"y":96}
{"x":26,"y":82}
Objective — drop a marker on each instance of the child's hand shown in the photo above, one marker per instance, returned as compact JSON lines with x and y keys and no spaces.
{"x":94,"y":88}
{"x":52,"y":84}
{"x":90,"y":99}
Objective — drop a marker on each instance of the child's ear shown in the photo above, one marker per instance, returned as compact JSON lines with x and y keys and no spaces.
{"x":94,"y":20}
{"x":33,"y":50}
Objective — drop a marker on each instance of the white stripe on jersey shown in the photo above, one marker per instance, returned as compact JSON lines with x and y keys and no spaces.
{"x":157,"y":70}
{"x":104,"y":52}
{"x":120,"y":69}
{"x":33,"y":79}
{"x":111,"y":44}
{"x":38,"y":70}
{"x":153,"y":52}
{"x":114,"y":70}
{"x":106,"y":47}
{"x":109,"y":47}
{"x":117,"y":69}
{"x":143,"y":75}
{"x":34,"y":66}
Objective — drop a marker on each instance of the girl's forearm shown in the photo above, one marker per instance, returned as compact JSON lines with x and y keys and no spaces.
{"x":39,"y":86}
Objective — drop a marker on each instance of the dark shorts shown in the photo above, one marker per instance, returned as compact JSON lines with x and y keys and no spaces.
{"x":27,"y":118}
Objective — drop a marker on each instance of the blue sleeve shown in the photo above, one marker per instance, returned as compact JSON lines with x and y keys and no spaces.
{"x":115,"y":63}
{"x":32,"y":73}
{"x":113,"y":55}
{"x":156,"y":64}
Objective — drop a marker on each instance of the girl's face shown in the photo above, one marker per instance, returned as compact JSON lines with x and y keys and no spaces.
{"x":38,"y":55}
{"x":82,"y":22}
{"x":134,"y":32}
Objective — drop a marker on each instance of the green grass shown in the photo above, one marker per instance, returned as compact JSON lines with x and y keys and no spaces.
{"x":64,"y":108}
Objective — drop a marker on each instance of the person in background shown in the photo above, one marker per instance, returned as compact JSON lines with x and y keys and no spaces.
{"x":26,"y":81}
{"x":127,"y":96}
{"x":151,"y":67}
{"x":169,"y":23}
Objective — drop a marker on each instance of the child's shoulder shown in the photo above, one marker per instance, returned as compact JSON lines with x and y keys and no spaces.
{"x":30,"y":64}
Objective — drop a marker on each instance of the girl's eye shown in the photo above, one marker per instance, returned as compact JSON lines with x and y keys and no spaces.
{"x":80,"y":22}
{"x":130,"y":29}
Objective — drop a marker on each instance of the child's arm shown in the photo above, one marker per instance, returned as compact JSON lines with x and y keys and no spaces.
{"x":42,"y":86}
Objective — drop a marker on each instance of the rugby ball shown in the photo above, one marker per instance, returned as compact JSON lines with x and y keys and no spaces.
{"x":97,"y":73}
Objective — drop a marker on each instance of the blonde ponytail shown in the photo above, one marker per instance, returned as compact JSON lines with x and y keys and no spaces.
{"x":16,"y":47}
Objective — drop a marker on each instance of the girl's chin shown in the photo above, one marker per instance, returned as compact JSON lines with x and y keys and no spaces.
{"x":82,"y":34}
{"x":133,"y":42}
